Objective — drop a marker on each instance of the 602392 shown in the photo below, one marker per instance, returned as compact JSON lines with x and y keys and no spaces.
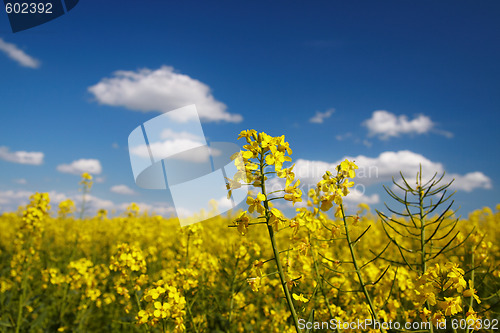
{"x":28,"y":8}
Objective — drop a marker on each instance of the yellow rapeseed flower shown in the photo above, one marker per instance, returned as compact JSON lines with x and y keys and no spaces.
{"x":300,"y":298}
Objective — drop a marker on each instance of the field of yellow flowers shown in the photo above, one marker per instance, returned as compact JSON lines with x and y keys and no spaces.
{"x":257,"y":270}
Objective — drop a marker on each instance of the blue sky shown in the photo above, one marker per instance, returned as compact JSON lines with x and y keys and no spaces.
{"x":391,"y":84}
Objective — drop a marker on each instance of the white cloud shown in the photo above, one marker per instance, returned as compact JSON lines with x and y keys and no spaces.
{"x":21,"y":157}
{"x":367,"y":143}
{"x":223,"y":204}
{"x":13,"y":198}
{"x":171,"y":147}
{"x":357,"y":196}
{"x":20,"y":181}
{"x":382,"y":168}
{"x":447,"y":134}
{"x":371,"y":169}
{"x":93,"y":204}
{"x":171,"y":134}
{"x":342,"y":137}
{"x":174,"y":143}
{"x":10,"y":200}
{"x":160,"y":90}
{"x":57,"y":197}
{"x":99,"y":180}
{"x":18,"y":55}
{"x":122,"y":189}
{"x":385,"y":124}
{"x":80,"y":166}
{"x":320,"y":117}
{"x":470,"y":181}
{"x":151,"y":208}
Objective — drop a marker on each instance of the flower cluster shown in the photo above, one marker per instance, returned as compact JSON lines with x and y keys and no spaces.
{"x":86,"y":181}
{"x":442,"y":289}
{"x":66,"y":208}
{"x":329,"y":260}
{"x":164,"y":302}
{"x":129,"y":262}
{"x":331,"y":188}
{"x":35,"y":212}
{"x":29,"y":236}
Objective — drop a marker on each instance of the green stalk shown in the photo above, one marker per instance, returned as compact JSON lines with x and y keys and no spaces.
{"x":82,"y":209}
{"x":22,"y":297}
{"x":233,"y":281}
{"x":190,"y":316}
{"x":320,"y":278}
{"x":63,"y":303}
{"x":320,"y":283}
{"x":472,"y":279}
{"x":422,"y":223}
{"x":21,"y":303}
{"x":288,"y":296}
{"x":422,"y":233}
{"x":357,"y":269}
{"x":137,"y":301}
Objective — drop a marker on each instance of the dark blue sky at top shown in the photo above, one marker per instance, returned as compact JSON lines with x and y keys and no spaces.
{"x":275,"y":63}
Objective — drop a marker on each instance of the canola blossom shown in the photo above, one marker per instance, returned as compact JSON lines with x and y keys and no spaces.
{"x":254,"y":270}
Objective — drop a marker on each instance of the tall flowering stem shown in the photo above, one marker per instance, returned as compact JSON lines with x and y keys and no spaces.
{"x":261,"y":152}
{"x":331,"y":190}
{"x":276,"y":252}
{"x":28,"y":243}
{"x":86,"y":183}
{"x":357,"y":268}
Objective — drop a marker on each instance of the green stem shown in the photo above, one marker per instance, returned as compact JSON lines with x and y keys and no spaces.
{"x":22,"y":297}
{"x":231,"y":302}
{"x":357,"y":269}
{"x":422,"y":232}
{"x":137,"y":301}
{"x":188,"y":306}
{"x":63,"y":303}
{"x":320,"y":284}
{"x":82,"y":209}
{"x":422,"y":223}
{"x":21,"y":303}
{"x":472,"y":279}
{"x":281,"y":273}
{"x":288,"y":296}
